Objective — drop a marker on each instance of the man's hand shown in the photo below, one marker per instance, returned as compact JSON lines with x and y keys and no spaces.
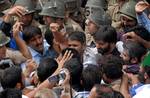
{"x":66,"y":85}
{"x":30,"y":67}
{"x":17,"y":11}
{"x":17,"y":27}
{"x":54,"y":27}
{"x":134,"y":37}
{"x":66,"y":57}
{"x":131,"y":36}
{"x":141,"y":6}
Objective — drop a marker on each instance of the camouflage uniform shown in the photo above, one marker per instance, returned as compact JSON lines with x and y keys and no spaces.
{"x":30,"y":8}
{"x":15,"y":56}
{"x":128,"y":9}
{"x":58,"y":11}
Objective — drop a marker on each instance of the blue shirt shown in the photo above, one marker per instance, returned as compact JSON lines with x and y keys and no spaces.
{"x":143,"y":20}
{"x":82,"y":94}
{"x":13,"y":43}
{"x":133,"y":89}
{"x":36,"y":56}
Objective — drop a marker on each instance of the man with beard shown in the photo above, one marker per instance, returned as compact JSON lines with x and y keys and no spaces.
{"x":106,"y":39}
{"x":133,"y":52}
{"x":32,"y":46}
{"x":132,"y":55}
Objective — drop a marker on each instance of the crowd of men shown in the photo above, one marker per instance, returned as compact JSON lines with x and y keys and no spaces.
{"x":74,"y":49}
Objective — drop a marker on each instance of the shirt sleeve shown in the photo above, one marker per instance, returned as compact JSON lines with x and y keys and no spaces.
{"x":143,"y":20}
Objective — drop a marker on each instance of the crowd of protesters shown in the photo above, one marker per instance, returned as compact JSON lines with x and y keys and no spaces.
{"x":74,"y":49}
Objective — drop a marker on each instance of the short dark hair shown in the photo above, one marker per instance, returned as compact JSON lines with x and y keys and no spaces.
{"x":104,"y":91}
{"x":11,"y":93}
{"x":106,"y":34}
{"x":134,"y":49}
{"x":75,"y":68}
{"x":30,"y":32}
{"x":91,"y":75}
{"x":74,"y":51}
{"x":141,"y":31}
{"x":49,"y":37}
{"x":77,"y":36}
{"x":117,"y":94}
{"x":46,"y":68}
{"x":112,"y":67}
{"x":11,"y":76}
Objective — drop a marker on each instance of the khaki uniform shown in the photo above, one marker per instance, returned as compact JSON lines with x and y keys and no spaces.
{"x":89,"y":38}
{"x":113,"y":11}
{"x":71,"y":25}
{"x":37,"y":24}
{"x":111,"y":2}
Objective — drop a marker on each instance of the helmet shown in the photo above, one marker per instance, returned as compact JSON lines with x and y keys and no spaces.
{"x":28,"y":4}
{"x":3,"y":39}
{"x":128,"y":9}
{"x":97,"y":3}
{"x":40,"y":4}
{"x":99,"y":17}
{"x":4,"y":5}
{"x":54,"y":8}
{"x":72,"y":5}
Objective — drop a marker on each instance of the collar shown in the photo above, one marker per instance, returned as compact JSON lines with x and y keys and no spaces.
{"x":33,"y":52}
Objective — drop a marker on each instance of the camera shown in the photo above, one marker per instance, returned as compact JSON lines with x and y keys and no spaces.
{"x":62,"y":75}
{"x":58,"y":78}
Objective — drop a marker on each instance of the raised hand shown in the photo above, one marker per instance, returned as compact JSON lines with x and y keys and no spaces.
{"x":17,"y":27}
{"x":67,"y":56}
{"x":17,"y":11}
{"x":31,"y":65}
{"x":131,"y":36}
{"x":141,"y":6}
{"x":54,"y":27}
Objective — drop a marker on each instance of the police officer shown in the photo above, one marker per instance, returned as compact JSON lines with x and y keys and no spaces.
{"x":96,"y":17}
{"x":28,"y":14}
{"x":3,"y":41}
{"x":55,"y":10}
{"x":73,"y":15}
{"x":53,"y":13}
{"x":97,"y":3}
{"x":113,"y":10}
{"x":5,"y":52}
{"x":24,"y":11}
{"x":128,"y":15}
